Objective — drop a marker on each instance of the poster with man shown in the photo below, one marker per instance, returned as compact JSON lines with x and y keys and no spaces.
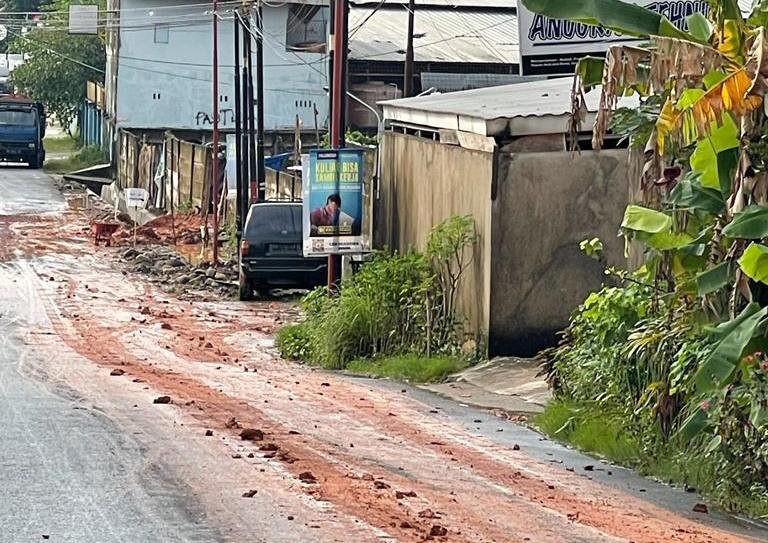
{"x":333,"y":203}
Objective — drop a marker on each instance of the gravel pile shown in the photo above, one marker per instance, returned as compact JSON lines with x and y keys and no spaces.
{"x":166,"y":267}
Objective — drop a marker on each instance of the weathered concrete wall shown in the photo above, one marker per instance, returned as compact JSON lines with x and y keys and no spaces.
{"x":545,"y":205}
{"x":424,"y":182}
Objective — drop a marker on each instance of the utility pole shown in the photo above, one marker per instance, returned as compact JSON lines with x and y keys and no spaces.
{"x":408,"y":73}
{"x":260,"y":173}
{"x":253,"y":180}
{"x":215,"y":167}
{"x":338,"y":99}
{"x":238,"y":134}
{"x":247,"y":111}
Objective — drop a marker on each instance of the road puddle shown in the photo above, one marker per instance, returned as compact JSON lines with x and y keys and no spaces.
{"x":194,"y":253}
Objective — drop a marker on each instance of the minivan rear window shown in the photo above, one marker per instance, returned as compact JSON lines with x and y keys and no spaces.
{"x":274,"y":222}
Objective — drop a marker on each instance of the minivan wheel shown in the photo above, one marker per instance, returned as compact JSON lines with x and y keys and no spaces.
{"x":245,"y":290}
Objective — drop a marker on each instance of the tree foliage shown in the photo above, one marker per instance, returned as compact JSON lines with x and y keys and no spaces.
{"x":59,"y":65}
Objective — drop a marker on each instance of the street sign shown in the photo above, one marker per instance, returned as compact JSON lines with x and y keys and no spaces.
{"x":554,"y":46}
{"x":231,"y":168}
{"x":83,"y":19}
{"x":136,"y":197}
{"x":334,"y":209}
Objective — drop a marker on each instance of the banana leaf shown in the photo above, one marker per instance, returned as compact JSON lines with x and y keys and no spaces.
{"x":752,"y":223}
{"x":699,"y":26}
{"x":694,"y":424}
{"x":718,"y":368}
{"x":643,"y":219}
{"x":759,"y":15}
{"x":689,"y":194}
{"x":714,"y":278}
{"x":621,"y":17}
{"x":590,"y":71}
{"x":754,"y":262}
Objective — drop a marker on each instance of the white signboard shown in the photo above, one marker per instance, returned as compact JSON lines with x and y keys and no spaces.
{"x":136,"y":197}
{"x":231,"y":168}
{"x":3,"y":32}
{"x":83,"y":19}
{"x":553,"y":46}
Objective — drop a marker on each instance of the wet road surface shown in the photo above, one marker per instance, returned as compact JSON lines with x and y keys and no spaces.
{"x":67,"y":471}
{"x":87,"y":456}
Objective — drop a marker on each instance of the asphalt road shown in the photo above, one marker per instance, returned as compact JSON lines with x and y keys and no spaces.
{"x":88,"y":457}
{"x":69,"y":473}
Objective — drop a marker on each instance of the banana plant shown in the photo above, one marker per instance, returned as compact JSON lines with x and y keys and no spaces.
{"x":707,"y":222}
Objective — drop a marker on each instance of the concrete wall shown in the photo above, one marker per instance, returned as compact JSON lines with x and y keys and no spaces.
{"x":546,"y":203}
{"x":424,"y":182}
{"x":169,"y":85}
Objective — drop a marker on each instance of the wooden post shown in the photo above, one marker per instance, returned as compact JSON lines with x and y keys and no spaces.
{"x":215,"y":131}
{"x":192,"y":174}
{"x":317,"y":130}
{"x":176,"y":170}
{"x":408,"y":73}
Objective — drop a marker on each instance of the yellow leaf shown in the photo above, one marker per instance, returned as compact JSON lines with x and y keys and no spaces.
{"x":731,"y":40}
{"x":696,"y":119}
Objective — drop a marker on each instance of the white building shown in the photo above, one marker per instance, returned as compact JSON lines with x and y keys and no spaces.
{"x":159,"y":65}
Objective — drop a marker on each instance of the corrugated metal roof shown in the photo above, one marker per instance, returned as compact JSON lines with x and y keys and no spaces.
{"x":504,"y":4}
{"x":449,"y":35}
{"x":534,"y":107}
{"x":452,"y":82}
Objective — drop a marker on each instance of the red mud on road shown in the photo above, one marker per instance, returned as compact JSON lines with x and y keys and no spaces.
{"x":372,"y":454}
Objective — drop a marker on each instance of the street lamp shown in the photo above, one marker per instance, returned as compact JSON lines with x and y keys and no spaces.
{"x":379,"y":132}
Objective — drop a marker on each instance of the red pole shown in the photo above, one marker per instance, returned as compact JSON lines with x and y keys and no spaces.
{"x":339,"y":57}
{"x":215,"y":168}
{"x":338,"y":93}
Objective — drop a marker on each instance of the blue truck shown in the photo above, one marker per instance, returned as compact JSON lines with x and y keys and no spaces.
{"x":22,"y":129}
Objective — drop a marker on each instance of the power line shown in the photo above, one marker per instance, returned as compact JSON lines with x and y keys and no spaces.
{"x":254,"y":33}
{"x":203,"y":65}
{"x":371,"y":14}
{"x":121,"y":10}
{"x":165,"y":73}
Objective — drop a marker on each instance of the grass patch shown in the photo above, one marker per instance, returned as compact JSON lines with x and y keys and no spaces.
{"x":590,"y":430}
{"x":601,"y":433}
{"x":61,"y":144}
{"x":89,"y":156}
{"x":409,"y":367}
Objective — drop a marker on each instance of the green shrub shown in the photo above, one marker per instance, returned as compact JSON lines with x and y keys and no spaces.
{"x":585,"y":368}
{"x":380,"y":310}
{"x":395,"y":304}
{"x":625,"y":388}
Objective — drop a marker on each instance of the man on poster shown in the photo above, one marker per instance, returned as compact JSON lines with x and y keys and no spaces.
{"x":329,"y":219}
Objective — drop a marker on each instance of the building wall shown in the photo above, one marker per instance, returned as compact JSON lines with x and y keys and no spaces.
{"x":546,"y":203}
{"x":169,"y":85}
{"x":424,"y":182}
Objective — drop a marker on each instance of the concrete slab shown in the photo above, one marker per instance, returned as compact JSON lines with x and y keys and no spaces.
{"x":510,"y":384}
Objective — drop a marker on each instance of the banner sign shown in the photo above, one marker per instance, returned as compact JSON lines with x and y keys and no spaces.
{"x":554,"y":46}
{"x":333,"y":203}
